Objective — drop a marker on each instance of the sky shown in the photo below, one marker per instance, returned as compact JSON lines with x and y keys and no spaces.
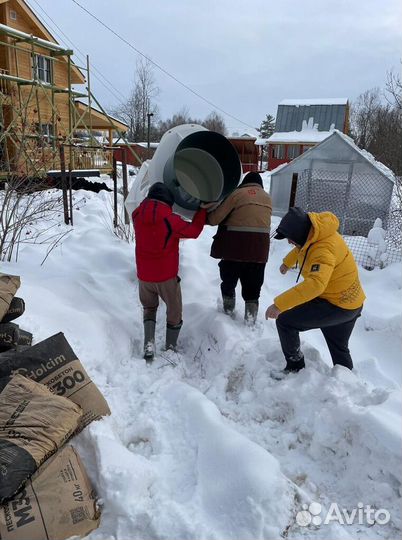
{"x":244,"y":57}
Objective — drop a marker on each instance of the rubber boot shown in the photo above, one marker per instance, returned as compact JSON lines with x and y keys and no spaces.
{"x":149,"y":339}
{"x":295,"y":363}
{"x":251,"y":311}
{"x":229,"y":303}
{"x":172,"y":334}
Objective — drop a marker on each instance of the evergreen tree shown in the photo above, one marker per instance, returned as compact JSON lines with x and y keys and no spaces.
{"x":267,"y":126}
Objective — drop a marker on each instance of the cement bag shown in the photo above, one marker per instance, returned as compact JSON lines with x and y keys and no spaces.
{"x":8,"y":287}
{"x":16,"y":309}
{"x":53,"y":362}
{"x":9,"y":336}
{"x":34,"y":423}
{"x":58,"y":502}
{"x":25,"y":340}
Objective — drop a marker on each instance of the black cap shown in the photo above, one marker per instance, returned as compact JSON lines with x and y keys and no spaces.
{"x":294,"y":225}
{"x":252,"y":178}
{"x":161,"y":192}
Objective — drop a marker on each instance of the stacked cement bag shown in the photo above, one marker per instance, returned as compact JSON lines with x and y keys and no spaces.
{"x":53,"y":363}
{"x":56,"y":503}
{"x":11,"y":307}
{"x":34,"y":423}
{"x":46,"y":396}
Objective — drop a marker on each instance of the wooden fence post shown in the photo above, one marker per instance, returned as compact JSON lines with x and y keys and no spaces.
{"x":115,"y":210}
{"x":125,"y":184}
{"x":64,"y":184}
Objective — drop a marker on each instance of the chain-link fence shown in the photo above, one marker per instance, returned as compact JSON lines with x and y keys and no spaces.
{"x":358,"y":200}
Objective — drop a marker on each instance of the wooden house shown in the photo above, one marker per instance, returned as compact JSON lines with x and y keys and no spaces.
{"x":249,"y":153}
{"x":40,"y":108}
{"x":302,"y":123}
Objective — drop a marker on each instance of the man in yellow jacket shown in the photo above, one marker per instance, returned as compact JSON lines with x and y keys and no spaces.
{"x":330,"y":297}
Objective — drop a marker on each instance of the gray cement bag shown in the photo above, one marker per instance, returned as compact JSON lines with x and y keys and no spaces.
{"x":9,"y":336}
{"x":8,"y":287}
{"x":53,"y":362}
{"x":58,"y":502}
{"x":34,"y":423}
{"x":25,"y":340}
{"x":16,"y":309}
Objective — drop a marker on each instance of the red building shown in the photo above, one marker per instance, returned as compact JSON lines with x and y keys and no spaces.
{"x":249,"y":153}
{"x":139,"y":149}
{"x":303,"y":123}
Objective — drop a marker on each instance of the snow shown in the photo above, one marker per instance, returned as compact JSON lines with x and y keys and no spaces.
{"x":215,"y":448}
{"x":304,"y":136}
{"x":315,"y":101}
{"x":308,"y":133}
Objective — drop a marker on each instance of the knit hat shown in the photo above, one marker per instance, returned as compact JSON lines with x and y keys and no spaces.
{"x":294,"y":225}
{"x":252,"y":178}
{"x":160,"y":192}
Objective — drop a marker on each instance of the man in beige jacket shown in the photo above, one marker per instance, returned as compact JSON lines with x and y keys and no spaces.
{"x":242,"y":243}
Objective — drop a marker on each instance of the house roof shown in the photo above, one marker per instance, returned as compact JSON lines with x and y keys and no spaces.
{"x":98,"y":119}
{"x":314,"y":101}
{"x":44,"y":33}
{"x":320,"y":114}
{"x":383,"y":169}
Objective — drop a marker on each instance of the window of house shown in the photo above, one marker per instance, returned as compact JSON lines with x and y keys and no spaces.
{"x":13,"y":15}
{"x":278,"y":151}
{"x":42,"y":68}
{"x":46,"y":130}
{"x":293,"y":151}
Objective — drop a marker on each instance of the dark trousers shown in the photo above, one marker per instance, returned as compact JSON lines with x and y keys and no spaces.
{"x":335,"y":323}
{"x":250,"y":274}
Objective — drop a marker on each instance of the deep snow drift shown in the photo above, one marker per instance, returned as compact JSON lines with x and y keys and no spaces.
{"x":215,"y":448}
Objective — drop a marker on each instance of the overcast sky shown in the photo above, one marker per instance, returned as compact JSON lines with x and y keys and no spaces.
{"x":244,"y":56}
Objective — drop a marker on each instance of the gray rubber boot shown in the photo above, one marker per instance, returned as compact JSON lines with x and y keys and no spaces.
{"x":149,"y":339}
{"x":172,"y":334}
{"x":251,"y":311}
{"x":229,"y":303}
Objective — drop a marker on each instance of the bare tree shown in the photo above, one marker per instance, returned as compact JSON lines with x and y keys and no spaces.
{"x":179,"y":118}
{"x":215,"y":122}
{"x":363,"y":112}
{"x":394,"y":89}
{"x":140,"y":102}
{"x":377,"y":125}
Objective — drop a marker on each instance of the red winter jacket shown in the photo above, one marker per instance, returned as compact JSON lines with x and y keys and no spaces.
{"x":157,"y":234}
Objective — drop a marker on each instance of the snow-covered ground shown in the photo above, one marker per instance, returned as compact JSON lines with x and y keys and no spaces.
{"x":215,"y":448}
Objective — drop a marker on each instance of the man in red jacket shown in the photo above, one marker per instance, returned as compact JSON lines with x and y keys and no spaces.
{"x":157,"y":234}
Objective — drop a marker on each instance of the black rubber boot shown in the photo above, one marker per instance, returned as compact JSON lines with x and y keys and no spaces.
{"x":251,"y":311}
{"x":149,"y":339}
{"x":295,"y":364}
{"x":229,"y":303}
{"x":172,"y":334}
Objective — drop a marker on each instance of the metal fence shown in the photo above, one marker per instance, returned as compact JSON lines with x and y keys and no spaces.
{"x":358,"y":200}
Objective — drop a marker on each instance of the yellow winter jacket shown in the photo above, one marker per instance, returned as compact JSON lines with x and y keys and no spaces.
{"x":327,"y":266}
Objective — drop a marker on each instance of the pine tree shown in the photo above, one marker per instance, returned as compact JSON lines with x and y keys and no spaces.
{"x":267,"y":126}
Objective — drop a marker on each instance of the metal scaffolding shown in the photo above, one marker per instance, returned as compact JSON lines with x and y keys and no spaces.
{"x":25,"y":149}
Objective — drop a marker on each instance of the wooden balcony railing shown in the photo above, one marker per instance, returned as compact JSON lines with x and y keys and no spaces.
{"x":87,"y":157}
{"x":4,"y":85}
